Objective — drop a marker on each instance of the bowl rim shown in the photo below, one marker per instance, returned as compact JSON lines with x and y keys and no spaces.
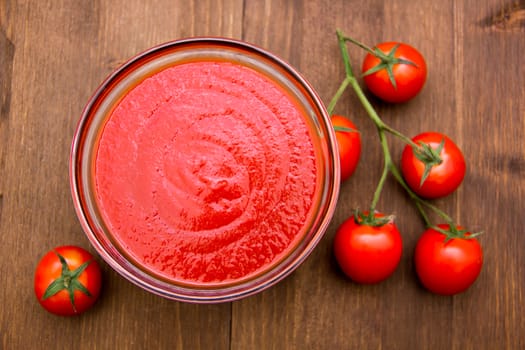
{"x":76,"y":156}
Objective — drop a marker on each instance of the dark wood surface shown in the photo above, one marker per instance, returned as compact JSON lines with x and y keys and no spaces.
{"x":54,"y":53}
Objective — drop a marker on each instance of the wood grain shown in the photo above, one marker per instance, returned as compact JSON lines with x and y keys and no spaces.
{"x":53,"y":55}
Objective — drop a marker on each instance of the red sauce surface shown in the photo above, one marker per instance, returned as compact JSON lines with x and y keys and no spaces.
{"x":206,"y":173}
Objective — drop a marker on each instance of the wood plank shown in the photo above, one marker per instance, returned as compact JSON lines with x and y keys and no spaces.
{"x":493,"y":125}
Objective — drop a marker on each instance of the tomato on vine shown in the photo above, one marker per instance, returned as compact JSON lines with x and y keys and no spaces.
{"x":448,"y":259}
{"x":435,"y":168}
{"x":368,"y":247}
{"x":349,"y":144}
{"x":395,"y":72}
{"x":67,"y":281}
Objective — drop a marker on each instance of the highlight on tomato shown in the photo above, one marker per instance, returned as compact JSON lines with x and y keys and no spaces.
{"x":448,"y":259}
{"x":348,"y":143}
{"x":435,"y":168}
{"x":395,"y":72}
{"x":67,"y":281}
{"x":368,"y":247}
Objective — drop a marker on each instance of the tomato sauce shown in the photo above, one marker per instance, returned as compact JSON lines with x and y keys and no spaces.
{"x":205,"y":173}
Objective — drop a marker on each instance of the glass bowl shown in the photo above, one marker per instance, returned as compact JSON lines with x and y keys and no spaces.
{"x":98,"y":111}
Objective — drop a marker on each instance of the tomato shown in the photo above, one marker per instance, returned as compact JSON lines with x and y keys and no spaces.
{"x":447,"y":267}
{"x":403,"y":65}
{"x":444,"y":177}
{"x":67,"y":281}
{"x":348,"y":143}
{"x":366,"y":253}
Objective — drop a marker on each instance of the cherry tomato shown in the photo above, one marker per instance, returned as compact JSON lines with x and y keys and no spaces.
{"x":447,"y":267}
{"x":443,"y":178}
{"x":349,"y":144}
{"x":368,"y":254}
{"x":67,"y":281}
{"x":408,"y":69}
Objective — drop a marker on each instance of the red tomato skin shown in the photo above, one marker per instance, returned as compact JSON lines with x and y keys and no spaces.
{"x":367,"y":254}
{"x":409,"y":79}
{"x":447,"y":268}
{"x":349,"y":146}
{"x":49,"y":268}
{"x":444,"y":178}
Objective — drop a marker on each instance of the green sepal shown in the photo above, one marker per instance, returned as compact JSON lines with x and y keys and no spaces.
{"x":344,"y":129}
{"x":76,"y":273}
{"x":429,"y":156}
{"x":454,"y":233}
{"x":68,"y":281}
{"x":79,"y":286}
{"x":375,"y":69}
{"x":369,"y":219}
{"x":387,"y":62}
{"x":55,"y":287}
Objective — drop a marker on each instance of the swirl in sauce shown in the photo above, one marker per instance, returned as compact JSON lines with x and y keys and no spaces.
{"x":205,"y":173}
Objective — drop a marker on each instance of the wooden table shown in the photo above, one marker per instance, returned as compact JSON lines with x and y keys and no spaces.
{"x":53,"y":54}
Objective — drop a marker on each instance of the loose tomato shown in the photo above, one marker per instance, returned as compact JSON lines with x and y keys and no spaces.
{"x":349,"y":144}
{"x":446,"y":264}
{"x":366,"y":252}
{"x":439,"y":178}
{"x":397,"y":75}
{"x":67,"y":281}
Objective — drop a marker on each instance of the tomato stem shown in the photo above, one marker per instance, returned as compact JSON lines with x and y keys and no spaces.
{"x":400,"y":136}
{"x":344,"y":52}
{"x":382,"y":128}
{"x":358,"y":43}
{"x":380,"y":185}
{"x":337,"y":96}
